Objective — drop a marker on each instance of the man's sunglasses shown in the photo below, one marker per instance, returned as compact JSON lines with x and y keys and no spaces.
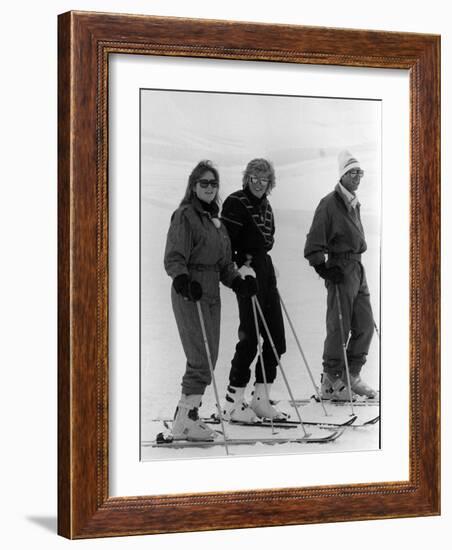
{"x":205,"y":183}
{"x":359,"y":173}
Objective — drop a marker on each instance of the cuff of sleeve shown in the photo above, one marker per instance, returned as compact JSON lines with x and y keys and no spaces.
{"x":176,"y":273}
{"x":236,"y":283}
{"x":316,"y":259}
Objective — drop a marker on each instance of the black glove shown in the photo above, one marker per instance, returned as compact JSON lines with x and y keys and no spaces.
{"x":190,"y":290}
{"x":246,"y":287}
{"x":333,"y":273}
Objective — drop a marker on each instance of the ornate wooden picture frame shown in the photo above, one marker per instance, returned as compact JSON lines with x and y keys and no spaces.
{"x":86,"y":40}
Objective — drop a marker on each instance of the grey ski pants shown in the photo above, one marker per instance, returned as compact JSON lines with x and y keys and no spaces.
{"x":358,"y":321}
{"x":197,"y":373}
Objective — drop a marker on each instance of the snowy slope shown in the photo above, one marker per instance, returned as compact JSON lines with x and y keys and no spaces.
{"x":162,"y":359}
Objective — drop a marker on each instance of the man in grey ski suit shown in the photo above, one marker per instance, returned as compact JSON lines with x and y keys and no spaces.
{"x":337,"y":232}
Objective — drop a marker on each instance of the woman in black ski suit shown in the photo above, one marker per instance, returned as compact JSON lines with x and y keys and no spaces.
{"x":248,"y":217}
{"x":197,"y":258}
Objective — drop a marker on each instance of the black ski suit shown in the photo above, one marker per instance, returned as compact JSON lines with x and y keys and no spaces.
{"x":251,"y":227}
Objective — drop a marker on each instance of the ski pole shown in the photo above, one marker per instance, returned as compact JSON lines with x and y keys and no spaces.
{"x":209,"y":359}
{"x":264,"y":322}
{"x":376,"y":330}
{"x":302,"y":354}
{"x":261,"y":358}
{"x":341,"y":325}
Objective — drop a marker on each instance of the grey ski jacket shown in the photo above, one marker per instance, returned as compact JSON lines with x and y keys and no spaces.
{"x":197,"y":247}
{"x":335,"y":229}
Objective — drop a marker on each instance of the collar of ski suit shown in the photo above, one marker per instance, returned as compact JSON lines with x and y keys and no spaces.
{"x":255,"y":201}
{"x":351,"y":200}
{"x":202,"y":207}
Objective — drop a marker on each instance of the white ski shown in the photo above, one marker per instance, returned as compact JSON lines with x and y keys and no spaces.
{"x":330,"y":421}
{"x":165,"y":440}
{"x":365,"y":414}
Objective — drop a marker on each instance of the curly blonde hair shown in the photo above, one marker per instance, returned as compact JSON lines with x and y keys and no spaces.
{"x":260,"y":168}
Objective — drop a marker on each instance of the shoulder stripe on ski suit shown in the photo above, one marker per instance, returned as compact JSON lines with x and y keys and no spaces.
{"x":264,"y":223}
{"x":231,"y":221}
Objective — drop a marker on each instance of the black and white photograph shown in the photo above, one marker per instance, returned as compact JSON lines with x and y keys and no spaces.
{"x":192,"y":191}
{"x":260,"y":253}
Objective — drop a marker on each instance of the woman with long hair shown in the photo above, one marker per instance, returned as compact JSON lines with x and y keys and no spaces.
{"x":197,"y":258}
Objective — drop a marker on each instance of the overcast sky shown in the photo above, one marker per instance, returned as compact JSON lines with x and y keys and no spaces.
{"x":300,"y":135}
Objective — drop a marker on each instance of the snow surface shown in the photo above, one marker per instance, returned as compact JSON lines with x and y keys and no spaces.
{"x":304,"y":294}
{"x":351,"y":437}
{"x":304,"y":175}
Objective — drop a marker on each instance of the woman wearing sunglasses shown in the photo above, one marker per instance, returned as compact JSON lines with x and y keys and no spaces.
{"x":197,"y":258}
{"x":248,"y":217}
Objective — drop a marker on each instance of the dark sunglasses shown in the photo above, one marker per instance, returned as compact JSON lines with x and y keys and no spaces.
{"x":205,"y":183}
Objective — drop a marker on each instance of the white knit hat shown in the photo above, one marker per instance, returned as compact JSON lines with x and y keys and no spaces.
{"x":347,"y":162}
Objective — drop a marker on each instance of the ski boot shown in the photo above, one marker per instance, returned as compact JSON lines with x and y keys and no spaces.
{"x":186,"y":423}
{"x":263,"y":407}
{"x":334,"y":388}
{"x":235,"y":408}
{"x":361,"y":388}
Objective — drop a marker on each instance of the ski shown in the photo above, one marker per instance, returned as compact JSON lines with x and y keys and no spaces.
{"x":319,"y":420}
{"x":370,"y":421}
{"x":365,"y":415}
{"x":163,"y":440}
{"x":314,"y":399}
{"x":266,"y":423}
